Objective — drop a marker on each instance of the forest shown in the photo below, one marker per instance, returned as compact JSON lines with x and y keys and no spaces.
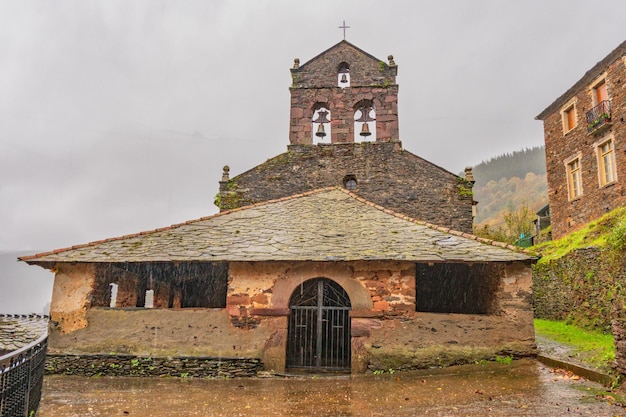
{"x":508,"y":186}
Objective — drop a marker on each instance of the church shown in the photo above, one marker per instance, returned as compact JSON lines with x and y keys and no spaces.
{"x":346,"y":253}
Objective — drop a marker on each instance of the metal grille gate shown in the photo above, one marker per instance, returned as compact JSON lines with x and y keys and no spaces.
{"x":319,"y":327}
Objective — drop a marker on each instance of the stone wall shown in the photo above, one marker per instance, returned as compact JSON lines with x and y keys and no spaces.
{"x":71,"y":295}
{"x":365,"y":70}
{"x":587,"y":288}
{"x":596,"y":200}
{"x":578,"y":287}
{"x":385,"y":173}
{"x":387,"y":328}
{"x":342,"y":102}
{"x":164,"y":332}
{"x":438,"y":339}
{"x":130,"y":365}
{"x":316,"y":83}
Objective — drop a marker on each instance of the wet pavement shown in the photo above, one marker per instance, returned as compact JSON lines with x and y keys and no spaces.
{"x":523,"y":388}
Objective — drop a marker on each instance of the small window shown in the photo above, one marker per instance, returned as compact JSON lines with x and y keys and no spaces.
{"x":606,"y":162}
{"x":349,"y":182}
{"x":113,"y":295}
{"x":574,"y":181}
{"x":149,"y":299}
{"x":569,"y":116}
{"x":600,"y":92}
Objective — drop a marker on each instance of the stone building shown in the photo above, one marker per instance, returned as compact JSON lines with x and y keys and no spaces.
{"x":345,"y":101}
{"x":325,"y":258}
{"x":585,"y":140}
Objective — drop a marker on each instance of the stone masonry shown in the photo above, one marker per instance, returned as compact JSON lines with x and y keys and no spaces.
{"x":385,"y":174}
{"x":570,"y":214}
{"x":315,"y":83}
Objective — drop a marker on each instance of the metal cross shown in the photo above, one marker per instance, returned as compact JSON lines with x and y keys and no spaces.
{"x":344,"y":27}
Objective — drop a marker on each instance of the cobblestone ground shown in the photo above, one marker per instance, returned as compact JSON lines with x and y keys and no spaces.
{"x":523,"y":388}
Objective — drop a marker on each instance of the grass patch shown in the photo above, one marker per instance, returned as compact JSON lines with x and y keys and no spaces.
{"x":594,"y":347}
{"x":607,"y":231}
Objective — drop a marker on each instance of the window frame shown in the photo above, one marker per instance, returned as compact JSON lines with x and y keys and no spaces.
{"x":600,"y":155}
{"x":593,"y":89}
{"x":570,"y":106}
{"x":573,"y":179}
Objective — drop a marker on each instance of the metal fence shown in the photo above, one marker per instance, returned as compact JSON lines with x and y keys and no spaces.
{"x":21,"y":379}
{"x":599,"y":115}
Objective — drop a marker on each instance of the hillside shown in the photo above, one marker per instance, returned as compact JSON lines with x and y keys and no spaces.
{"x":507,"y":182}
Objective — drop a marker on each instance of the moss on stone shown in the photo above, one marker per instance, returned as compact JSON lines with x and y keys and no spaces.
{"x":605,"y":232}
{"x":579,"y":278}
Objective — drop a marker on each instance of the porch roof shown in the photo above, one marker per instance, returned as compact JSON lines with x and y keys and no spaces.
{"x":324,"y":225}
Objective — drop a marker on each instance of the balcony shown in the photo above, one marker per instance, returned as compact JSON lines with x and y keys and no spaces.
{"x":599,"y":116}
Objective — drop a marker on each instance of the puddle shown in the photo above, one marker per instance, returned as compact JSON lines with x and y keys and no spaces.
{"x":524,"y":388}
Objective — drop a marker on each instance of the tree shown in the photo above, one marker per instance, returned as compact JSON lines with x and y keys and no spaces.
{"x":519,"y":222}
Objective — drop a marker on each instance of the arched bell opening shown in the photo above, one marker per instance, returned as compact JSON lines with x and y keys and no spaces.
{"x":364,"y":121}
{"x":320,"y":124}
{"x":343,"y":75}
{"x":319,"y":327}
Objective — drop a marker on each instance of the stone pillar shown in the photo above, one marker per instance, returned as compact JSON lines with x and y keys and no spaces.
{"x":71,"y":295}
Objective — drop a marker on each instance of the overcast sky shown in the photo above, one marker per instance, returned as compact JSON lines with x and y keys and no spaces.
{"x":118,"y":116}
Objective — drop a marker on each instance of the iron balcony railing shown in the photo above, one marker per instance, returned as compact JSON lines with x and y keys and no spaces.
{"x":599,"y":115}
{"x":21,"y":379}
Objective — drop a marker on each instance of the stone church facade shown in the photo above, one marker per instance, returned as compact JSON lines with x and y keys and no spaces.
{"x":379,"y":170}
{"x":341,"y":255}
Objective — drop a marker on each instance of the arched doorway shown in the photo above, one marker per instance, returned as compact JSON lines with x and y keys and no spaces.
{"x":319,"y":327}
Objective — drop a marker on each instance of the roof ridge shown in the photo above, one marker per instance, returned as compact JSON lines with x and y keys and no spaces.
{"x":172,"y":226}
{"x":438,"y":228}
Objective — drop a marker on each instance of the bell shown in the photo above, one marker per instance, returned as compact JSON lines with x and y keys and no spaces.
{"x":365,"y":130}
{"x":344,"y":78}
{"x":320,"y":131}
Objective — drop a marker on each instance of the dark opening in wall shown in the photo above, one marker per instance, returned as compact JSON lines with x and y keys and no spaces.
{"x":349,"y":182}
{"x":206,"y":286}
{"x":456,"y":288}
{"x":161,"y":285}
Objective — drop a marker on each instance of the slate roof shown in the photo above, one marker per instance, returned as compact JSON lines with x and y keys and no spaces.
{"x":330,"y":224}
{"x":18,"y":330}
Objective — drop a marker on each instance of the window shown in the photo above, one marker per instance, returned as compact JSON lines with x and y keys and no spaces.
{"x":606,"y":162}
{"x":600,"y":114}
{"x":113,"y":295}
{"x":569,"y":116}
{"x":161,"y":285}
{"x":574,"y":181}
{"x":600,"y":92}
{"x":457,"y":288}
